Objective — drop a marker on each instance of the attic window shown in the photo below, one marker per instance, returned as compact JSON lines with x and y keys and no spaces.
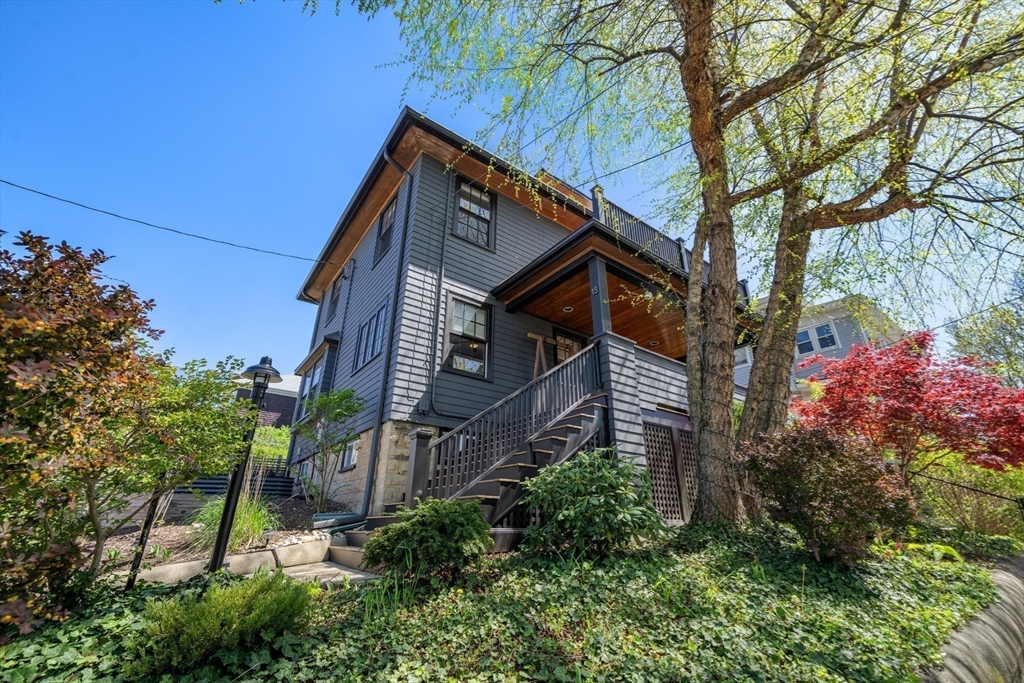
{"x":475,"y":215}
{"x":385,"y":227}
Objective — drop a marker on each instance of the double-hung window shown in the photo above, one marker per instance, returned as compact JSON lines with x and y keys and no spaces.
{"x":742,"y":356}
{"x":467,"y":341}
{"x":371,"y":338}
{"x":475,"y":217}
{"x":312,"y":382}
{"x":385,"y":226}
{"x":818,"y":338}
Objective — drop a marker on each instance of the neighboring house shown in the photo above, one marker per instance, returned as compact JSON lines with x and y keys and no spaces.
{"x":450,"y":282}
{"x":279,"y":404}
{"x":830,"y":330}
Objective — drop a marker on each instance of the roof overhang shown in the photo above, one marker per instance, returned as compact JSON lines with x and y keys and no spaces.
{"x":413,"y":135}
{"x":647,"y":296}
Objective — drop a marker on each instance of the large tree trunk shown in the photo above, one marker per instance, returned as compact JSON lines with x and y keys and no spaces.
{"x":768,"y":393}
{"x":710,"y":315}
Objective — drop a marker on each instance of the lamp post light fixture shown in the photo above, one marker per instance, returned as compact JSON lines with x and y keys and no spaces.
{"x":262,"y":376}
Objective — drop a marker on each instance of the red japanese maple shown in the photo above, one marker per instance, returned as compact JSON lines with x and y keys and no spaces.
{"x":911,"y":405}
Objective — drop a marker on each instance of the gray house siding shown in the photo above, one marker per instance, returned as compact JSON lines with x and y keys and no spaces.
{"x":660,"y":380}
{"x":369,"y":286}
{"x":470,"y":272}
{"x":847,"y":332}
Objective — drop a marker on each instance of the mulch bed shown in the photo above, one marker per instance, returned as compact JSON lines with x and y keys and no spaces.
{"x":173,"y":542}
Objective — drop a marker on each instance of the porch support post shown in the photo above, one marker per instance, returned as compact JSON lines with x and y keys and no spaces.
{"x":419,"y":461}
{"x":599,"y":306}
{"x":620,"y":380}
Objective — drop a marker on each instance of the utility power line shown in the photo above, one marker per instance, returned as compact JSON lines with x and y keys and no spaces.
{"x":160,"y":227}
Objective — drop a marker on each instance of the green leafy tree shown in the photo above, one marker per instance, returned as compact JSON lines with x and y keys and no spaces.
{"x":187,"y":426}
{"x":69,"y":355}
{"x":889,"y":129}
{"x":326,"y":434}
{"x":996,"y":336}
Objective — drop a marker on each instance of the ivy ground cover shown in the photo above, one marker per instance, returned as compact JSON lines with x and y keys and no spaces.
{"x":709,"y":605}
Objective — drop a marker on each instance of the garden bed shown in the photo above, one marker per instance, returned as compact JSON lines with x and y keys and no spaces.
{"x":174,"y":542}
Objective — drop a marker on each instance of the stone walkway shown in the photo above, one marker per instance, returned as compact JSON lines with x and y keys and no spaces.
{"x":327,"y":572}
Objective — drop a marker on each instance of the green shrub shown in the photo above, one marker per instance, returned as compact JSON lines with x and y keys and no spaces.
{"x":181,"y":633}
{"x":593,"y":505}
{"x":969,"y":543}
{"x":969,"y":509}
{"x":439,"y":538}
{"x":835,"y":492}
{"x":253,"y":516}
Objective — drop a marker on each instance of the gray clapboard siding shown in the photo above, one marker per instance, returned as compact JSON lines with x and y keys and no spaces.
{"x":847,"y":334}
{"x":471,"y":272}
{"x":370,"y":286}
{"x":660,"y":380}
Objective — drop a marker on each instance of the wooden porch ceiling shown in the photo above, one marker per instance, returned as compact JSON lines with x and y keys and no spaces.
{"x":643,"y":321}
{"x":559,"y":280}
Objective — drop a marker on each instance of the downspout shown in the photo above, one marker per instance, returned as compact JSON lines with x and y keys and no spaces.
{"x":389,"y":353}
{"x":437,"y":300}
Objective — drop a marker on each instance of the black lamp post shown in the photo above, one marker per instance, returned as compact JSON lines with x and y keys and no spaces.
{"x":262,"y":376}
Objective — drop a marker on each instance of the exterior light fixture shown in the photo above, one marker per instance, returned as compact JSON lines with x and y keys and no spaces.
{"x":655,"y":343}
{"x":648,"y":295}
{"x":262,"y":376}
{"x":567,"y":309}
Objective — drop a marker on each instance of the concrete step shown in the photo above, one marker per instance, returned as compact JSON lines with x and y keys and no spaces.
{"x":357,"y":539}
{"x":347,"y":556}
{"x":377,"y":522}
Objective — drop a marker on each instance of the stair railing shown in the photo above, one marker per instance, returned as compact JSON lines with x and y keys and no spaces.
{"x":472,"y":448}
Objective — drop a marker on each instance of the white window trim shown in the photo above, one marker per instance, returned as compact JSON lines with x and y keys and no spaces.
{"x":814,"y":337}
{"x":746,"y":355}
{"x":350,"y":456}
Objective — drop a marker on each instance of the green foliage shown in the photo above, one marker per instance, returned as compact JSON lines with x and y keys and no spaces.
{"x":593,"y":505}
{"x":325,"y":434}
{"x":967,"y":542}
{"x":270,"y":443}
{"x":712,"y":605}
{"x":996,"y":336}
{"x":439,"y":539}
{"x":182,"y":632}
{"x":835,"y":492}
{"x":955,"y":506}
{"x":253,"y":516}
{"x":92,"y":643}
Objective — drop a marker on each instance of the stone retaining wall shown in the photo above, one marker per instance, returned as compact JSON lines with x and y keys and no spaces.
{"x":990,"y":647}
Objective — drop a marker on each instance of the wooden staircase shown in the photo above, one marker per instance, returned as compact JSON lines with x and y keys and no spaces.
{"x":499,"y":489}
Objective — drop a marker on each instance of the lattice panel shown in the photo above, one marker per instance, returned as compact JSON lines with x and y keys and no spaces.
{"x":689,"y":457}
{"x":662,"y":466}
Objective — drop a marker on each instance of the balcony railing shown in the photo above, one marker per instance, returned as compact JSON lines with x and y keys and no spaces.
{"x":657,"y":244}
{"x":469,"y":450}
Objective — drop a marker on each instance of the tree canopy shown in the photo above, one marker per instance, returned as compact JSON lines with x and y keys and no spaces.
{"x":886,"y":135}
{"x":915,"y":408}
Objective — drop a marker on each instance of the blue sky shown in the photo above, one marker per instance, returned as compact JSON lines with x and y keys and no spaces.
{"x":251,"y":123}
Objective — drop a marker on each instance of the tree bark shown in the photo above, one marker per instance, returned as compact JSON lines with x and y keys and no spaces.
{"x":768,"y":393}
{"x":711,"y":314}
{"x":97,"y":527}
